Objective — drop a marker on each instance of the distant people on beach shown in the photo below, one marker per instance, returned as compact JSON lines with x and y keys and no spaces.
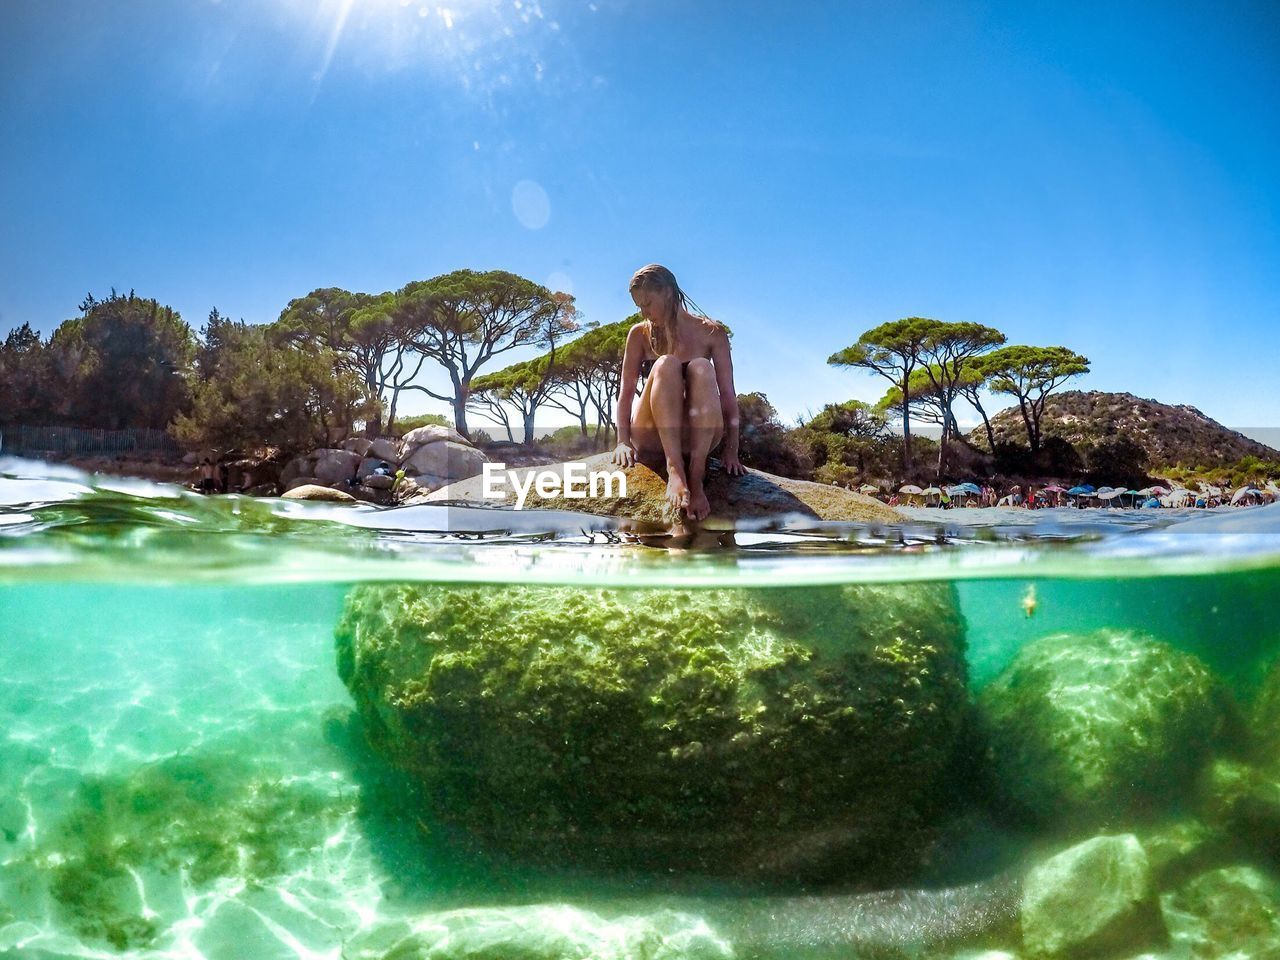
{"x":207,"y":482}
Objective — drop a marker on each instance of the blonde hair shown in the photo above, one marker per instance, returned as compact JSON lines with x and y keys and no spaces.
{"x":659,"y":279}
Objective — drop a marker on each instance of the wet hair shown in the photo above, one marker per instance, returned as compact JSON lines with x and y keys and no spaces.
{"x":658,"y":278}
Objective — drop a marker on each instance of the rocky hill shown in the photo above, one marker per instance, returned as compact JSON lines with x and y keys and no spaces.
{"x":1170,"y":434}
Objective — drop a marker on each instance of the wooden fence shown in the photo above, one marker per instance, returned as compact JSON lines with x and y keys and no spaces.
{"x":24,"y":441}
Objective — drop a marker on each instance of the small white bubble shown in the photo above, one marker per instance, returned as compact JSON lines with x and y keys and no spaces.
{"x":531,"y":204}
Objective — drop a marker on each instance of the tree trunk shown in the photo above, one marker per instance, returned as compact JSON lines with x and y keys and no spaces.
{"x":906,"y":430}
{"x":942,"y":445}
{"x":460,"y":413}
{"x":1033,"y":433}
{"x":528,"y":428}
{"x":991,"y":434}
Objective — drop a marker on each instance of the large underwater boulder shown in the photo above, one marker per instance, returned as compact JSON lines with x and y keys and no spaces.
{"x":1266,"y":714}
{"x":793,"y":732}
{"x":1102,"y":728}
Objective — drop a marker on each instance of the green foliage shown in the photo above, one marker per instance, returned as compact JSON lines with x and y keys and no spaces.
{"x":405,"y":424}
{"x":1031,"y":374}
{"x":567,"y":442}
{"x":849,"y":443}
{"x":1119,"y":461}
{"x":208,"y":815}
{"x":267,"y":389}
{"x":764,"y":443}
{"x":465,"y":318}
{"x":588,"y":372}
{"x":893,"y":350}
{"x":701,"y":730}
{"x":24,"y":378}
{"x":123,"y":364}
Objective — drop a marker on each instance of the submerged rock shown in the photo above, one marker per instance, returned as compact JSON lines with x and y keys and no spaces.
{"x":544,"y":932}
{"x":1102,"y":728}
{"x":1228,"y":913}
{"x":780,"y":732}
{"x":1266,"y":713}
{"x":1095,"y":899}
{"x":203,"y":816}
{"x":1183,"y":848}
{"x":1244,"y":801}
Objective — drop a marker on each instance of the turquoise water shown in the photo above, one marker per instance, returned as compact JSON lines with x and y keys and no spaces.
{"x":181,"y":774}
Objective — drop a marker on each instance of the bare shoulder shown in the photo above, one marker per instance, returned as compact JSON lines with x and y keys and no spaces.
{"x":715,"y":332}
{"x":638,"y":331}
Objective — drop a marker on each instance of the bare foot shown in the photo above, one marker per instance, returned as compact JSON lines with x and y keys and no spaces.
{"x":677,"y":492}
{"x":699,"y":505}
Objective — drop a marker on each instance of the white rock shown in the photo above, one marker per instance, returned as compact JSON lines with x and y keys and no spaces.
{"x":1094,"y":898}
{"x":452,"y":461}
{"x":311,"y":491}
{"x":432,"y":433}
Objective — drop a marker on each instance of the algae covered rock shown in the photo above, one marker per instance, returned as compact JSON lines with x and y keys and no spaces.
{"x":784,"y":732}
{"x":192,"y":818}
{"x":1100,"y":728}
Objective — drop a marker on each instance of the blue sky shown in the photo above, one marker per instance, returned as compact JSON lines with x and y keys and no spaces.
{"x":1103,"y":176}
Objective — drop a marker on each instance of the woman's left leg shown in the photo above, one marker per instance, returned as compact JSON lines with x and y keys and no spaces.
{"x":704,"y":426}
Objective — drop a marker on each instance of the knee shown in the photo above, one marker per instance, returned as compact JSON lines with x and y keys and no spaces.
{"x":703,"y":392}
{"x":701,"y":371}
{"x":666,"y":366}
{"x":666,"y":373}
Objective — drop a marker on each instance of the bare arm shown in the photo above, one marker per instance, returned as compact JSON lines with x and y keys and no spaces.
{"x":722,"y":359}
{"x":624,"y":453}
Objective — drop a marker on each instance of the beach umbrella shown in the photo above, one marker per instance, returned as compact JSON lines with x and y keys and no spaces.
{"x":1103,"y":490}
{"x":868,"y":488}
{"x":930,"y":491}
{"x":966,"y":487}
{"x":1158,"y":490}
{"x":1108,"y":494}
{"x":910,"y":488}
{"x":1079,"y":491}
{"x":1245,"y":492}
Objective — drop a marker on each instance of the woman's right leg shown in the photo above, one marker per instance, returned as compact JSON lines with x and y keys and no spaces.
{"x":660,"y":418}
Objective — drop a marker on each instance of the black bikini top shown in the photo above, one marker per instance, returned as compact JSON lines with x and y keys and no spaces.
{"x":646,"y":366}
